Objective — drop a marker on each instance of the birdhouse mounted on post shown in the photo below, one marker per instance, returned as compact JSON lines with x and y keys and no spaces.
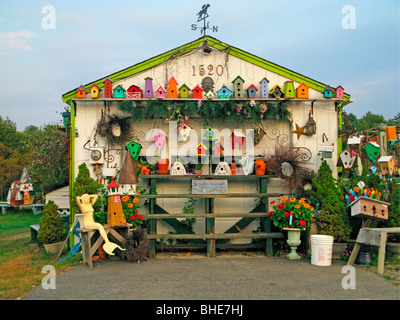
{"x":346,"y":159}
{"x":224,"y":93}
{"x":172,"y":88}
{"x":238,"y":89}
{"x":302,"y":91}
{"x":95,"y":91}
{"x":387,"y":164}
{"x":201,"y":150}
{"x":134,"y":149}
{"x":197,"y":92}
{"x":148,"y":87}
{"x":251,"y":91}
{"x":288,"y":89}
{"x":81,"y":92}
{"x":264,"y":88}
{"x":107,"y":89}
{"x":218,"y":149}
{"x":119,"y":92}
{"x":134,"y":92}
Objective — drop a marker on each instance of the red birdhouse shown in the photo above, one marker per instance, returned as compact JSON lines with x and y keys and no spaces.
{"x":201,"y":150}
{"x":134,"y":92}
{"x":237,"y":139}
{"x":107,"y":89}
{"x":218,"y":149}
{"x":197,"y":92}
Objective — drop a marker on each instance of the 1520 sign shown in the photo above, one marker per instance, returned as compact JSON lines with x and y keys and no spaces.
{"x":210,"y":70}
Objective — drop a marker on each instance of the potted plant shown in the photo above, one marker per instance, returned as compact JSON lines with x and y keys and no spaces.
{"x":198,"y":169}
{"x":130,"y":207}
{"x":293,"y":216}
{"x":52,"y":229}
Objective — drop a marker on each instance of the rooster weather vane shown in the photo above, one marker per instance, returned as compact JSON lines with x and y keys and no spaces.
{"x":202,"y":16}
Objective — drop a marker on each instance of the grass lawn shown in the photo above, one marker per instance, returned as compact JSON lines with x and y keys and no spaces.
{"x":21,"y":262}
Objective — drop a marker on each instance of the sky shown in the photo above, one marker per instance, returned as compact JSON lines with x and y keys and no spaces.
{"x":48,"y":48}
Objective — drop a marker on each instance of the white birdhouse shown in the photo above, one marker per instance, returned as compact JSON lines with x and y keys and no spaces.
{"x":210,"y":95}
{"x":178,"y":169}
{"x":247,"y":164}
{"x":184,"y":131}
{"x":223,"y":169}
{"x":347,"y":158}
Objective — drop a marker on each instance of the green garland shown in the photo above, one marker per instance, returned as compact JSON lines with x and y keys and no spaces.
{"x":210,"y":111}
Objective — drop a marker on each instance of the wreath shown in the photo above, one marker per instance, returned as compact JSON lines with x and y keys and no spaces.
{"x":137,"y":249}
{"x":124,"y":123}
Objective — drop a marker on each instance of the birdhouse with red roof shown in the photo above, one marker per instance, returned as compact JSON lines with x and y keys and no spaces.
{"x":252,"y":91}
{"x":197,"y":92}
{"x":347,"y":158}
{"x":107,"y":89}
{"x":302,"y":91}
{"x":172,"y":88}
{"x":95,"y":91}
{"x":328,"y":92}
{"x":134,"y":92}
{"x":115,"y":213}
{"x":81,"y":92}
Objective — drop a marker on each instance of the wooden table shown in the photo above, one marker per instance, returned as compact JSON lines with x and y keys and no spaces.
{"x":375,"y":237}
{"x":90,"y":244}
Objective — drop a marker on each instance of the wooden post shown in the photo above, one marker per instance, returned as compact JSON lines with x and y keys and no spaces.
{"x":266,"y":222}
{"x":381,"y":253}
{"x":153,"y":222}
{"x":210,"y":227}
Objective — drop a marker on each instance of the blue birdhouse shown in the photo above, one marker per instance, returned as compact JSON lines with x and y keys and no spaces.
{"x":328,"y":92}
{"x":264,"y":88}
{"x":224,"y":93}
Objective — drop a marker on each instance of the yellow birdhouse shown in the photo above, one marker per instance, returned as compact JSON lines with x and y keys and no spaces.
{"x":386,"y":164}
{"x":95,"y":91}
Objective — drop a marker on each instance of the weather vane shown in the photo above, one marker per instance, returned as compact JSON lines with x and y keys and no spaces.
{"x":203,"y":15}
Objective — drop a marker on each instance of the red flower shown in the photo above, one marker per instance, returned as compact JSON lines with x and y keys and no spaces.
{"x":132,"y":218}
{"x":270,"y":213}
{"x":136,"y":215}
{"x":281,"y":206}
{"x":302,"y":223}
{"x":272,"y":202}
{"x":287,"y":214}
{"x":140,"y":218}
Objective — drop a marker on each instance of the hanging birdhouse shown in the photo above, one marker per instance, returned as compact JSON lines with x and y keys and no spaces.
{"x":201,"y":150}
{"x":184,"y":131}
{"x":218,"y":149}
{"x":148,"y":87}
{"x":184,"y":91}
{"x":172,"y":88}
{"x":237,"y":139}
{"x":159,"y":138}
{"x":259,"y":133}
{"x":160,"y":93}
{"x":247,"y":164}
{"x":197,"y":92}
{"x":134,"y":92}
{"x":302,"y":91}
{"x":252,"y":91}
{"x":224,"y":93}
{"x":387,"y":164}
{"x":81,"y":92}
{"x":328,"y":92}
{"x":223,"y":169}
{"x":95,"y":91}
{"x":372,"y":149}
{"x":119,"y":92}
{"x":311,"y":126}
{"x":177,"y":169}
{"x":347,"y":159}
{"x":238,"y":89}
{"x":276,"y":92}
{"x":134,"y":149}
{"x":288,"y":89}
{"x":339,"y":92}
{"x":107,"y":88}
{"x":264,"y":88}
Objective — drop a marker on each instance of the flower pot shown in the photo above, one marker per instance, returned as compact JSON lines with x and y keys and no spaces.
{"x":53,"y":248}
{"x":260,"y":167}
{"x":293,"y":240}
{"x":101,"y":251}
{"x":163,"y":166}
{"x":198,"y":171}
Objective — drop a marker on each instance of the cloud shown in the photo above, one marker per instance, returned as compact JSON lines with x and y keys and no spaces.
{"x":15,"y":40}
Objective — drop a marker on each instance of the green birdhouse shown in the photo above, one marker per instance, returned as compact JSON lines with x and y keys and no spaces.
{"x":372,"y":149}
{"x":134,"y":149}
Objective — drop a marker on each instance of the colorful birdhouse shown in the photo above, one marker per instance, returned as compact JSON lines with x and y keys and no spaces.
{"x":177,"y":169}
{"x":95,"y":91}
{"x":113,"y":188}
{"x":209,"y":134}
{"x":347,"y":159}
{"x":119,"y":92}
{"x":391,"y":134}
{"x":184,"y":91}
{"x":218,"y":149}
{"x":264,"y":88}
{"x":339,"y":92}
{"x":224,"y":93}
{"x":247,"y":164}
{"x":107,"y":89}
{"x":115,"y":213}
{"x":197,"y":92}
{"x":328,"y":92}
{"x":201,"y":150}
{"x":302,"y":91}
{"x":134,"y":92}
{"x":238,"y":89}
{"x":387,"y":164}
{"x":148,"y":87}
{"x":160,"y":93}
{"x":134,"y":149}
{"x":276,"y":92}
{"x":237,"y":139}
{"x":252,"y":91}
{"x":184,"y":131}
{"x":172,"y":88}
{"x":372,"y":149}
{"x":81,"y":92}
{"x":159,"y":138}
{"x":288,"y":89}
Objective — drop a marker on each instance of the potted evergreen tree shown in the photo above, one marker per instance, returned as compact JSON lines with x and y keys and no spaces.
{"x":52,"y":229}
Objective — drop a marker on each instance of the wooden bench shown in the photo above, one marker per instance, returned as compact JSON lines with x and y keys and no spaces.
{"x":34,"y":233}
{"x":36,"y":208}
{"x":374,"y":237}
{"x":90,"y":244}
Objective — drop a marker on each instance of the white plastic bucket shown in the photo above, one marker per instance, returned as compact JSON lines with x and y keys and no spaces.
{"x":321,"y":250}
